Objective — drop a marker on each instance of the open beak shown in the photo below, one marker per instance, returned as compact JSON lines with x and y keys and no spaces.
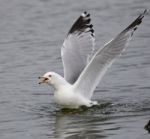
{"x":43,"y":80}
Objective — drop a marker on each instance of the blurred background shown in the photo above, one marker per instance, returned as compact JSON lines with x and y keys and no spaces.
{"x":31,"y":35}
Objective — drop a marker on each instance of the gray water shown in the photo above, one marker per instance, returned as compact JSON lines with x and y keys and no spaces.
{"x":31,"y":35}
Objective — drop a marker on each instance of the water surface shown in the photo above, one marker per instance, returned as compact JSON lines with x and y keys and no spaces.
{"x":31,"y":35}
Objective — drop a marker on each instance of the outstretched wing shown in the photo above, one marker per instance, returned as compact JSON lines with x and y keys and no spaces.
{"x":103,"y":59}
{"x":77,"y":47}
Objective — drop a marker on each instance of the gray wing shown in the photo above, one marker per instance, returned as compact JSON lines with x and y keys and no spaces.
{"x":94,"y":71}
{"x":77,"y":47}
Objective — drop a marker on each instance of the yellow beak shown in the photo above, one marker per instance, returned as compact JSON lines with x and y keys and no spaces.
{"x":42,"y":80}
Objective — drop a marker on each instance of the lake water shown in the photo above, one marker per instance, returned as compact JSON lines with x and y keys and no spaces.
{"x":31,"y":35}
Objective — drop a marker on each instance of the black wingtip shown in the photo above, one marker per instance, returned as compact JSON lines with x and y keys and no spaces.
{"x":143,"y":14}
{"x":136,"y":22}
{"x":145,"y":11}
{"x":82,"y":24}
{"x":85,"y":12}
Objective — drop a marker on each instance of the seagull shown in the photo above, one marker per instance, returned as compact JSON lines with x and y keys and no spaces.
{"x":83,"y":67}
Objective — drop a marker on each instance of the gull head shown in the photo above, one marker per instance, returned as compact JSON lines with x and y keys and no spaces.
{"x":52,"y":78}
{"x":48,"y":78}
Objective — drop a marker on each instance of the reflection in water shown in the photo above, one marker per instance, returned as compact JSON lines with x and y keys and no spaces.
{"x":80,"y":129}
{"x":99,"y":121}
{"x":75,"y":124}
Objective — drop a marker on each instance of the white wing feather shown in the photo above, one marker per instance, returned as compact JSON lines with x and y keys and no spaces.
{"x":94,"y":71}
{"x":77,"y":47}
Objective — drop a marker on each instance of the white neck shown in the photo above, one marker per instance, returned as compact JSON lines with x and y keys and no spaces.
{"x":58,"y":82}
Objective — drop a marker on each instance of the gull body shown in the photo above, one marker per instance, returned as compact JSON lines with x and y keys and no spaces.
{"x":83,"y":67}
{"x":64,"y":92}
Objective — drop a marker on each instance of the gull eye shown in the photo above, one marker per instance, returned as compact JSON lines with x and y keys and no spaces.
{"x":50,"y":75}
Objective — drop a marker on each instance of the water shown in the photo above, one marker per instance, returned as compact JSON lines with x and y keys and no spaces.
{"x":31,"y":34}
